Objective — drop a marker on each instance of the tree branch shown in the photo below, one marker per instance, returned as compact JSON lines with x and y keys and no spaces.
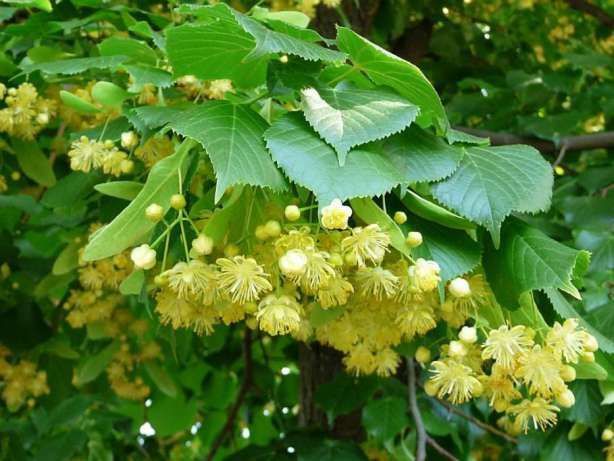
{"x":439,"y":449}
{"x":234,"y":410}
{"x":415,"y":411}
{"x":593,"y":10}
{"x":477,"y":422}
{"x":569,"y":143}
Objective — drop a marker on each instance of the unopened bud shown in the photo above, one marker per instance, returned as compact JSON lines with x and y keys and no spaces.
{"x":468,"y":335}
{"x":422,"y":355}
{"x":154,"y":212}
{"x":129,"y":139}
{"x":459,"y":288}
{"x":273,"y":228}
{"x":178,"y":202}
{"x":203,"y":245}
{"x":292,"y":213}
{"x":414,"y":239}
{"x":400,"y":217}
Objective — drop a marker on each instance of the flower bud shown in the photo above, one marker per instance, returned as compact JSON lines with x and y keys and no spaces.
{"x":126,"y":166}
{"x":272,"y":228}
{"x":129,"y":139}
{"x":568,"y":373}
{"x":607,"y":435}
{"x":15,"y":175}
{"x":42,"y":118}
{"x":431,"y":388}
{"x":231,"y":250}
{"x":414,"y":239}
{"x":456,"y":349}
{"x":283,"y":59}
{"x":335,"y":260}
{"x":293,"y":262}
{"x":587,"y":357}
{"x":424,"y":275}
{"x":468,"y":335}
{"x":261,"y":233}
{"x":477,"y":390}
{"x":566,"y":399}
{"x":336,"y":215}
{"x":178,"y":202}
{"x":400,"y":217}
{"x":459,"y":288}
{"x":422,"y":355}
{"x":143,"y":257}
{"x":160,"y":280}
{"x":202,"y":245}
{"x":590,"y":343}
{"x":154,"y":212}
{"x":292,"y":213}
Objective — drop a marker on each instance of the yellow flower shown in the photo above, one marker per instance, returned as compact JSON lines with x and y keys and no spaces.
{"x":505,"y":343}
{"x":86,"y":154}
{"x":336,"y":215}
{"x":540,"y":370}
{"x":217,"y":88}
{"x":318,"y":272}
{"x":360,"y":360}
{"x":386,"y":362}
{"x":424,"y":275}
{"x":453,"y":380}
{"x":416,"y":318}
{"x":566,"y":340}
{"x":376,"y":282}
{"x":368,"y":244}
{"x":279,"y":315}
{"x":243,"y":279}
{"x":499,"y":389}
{"x":293,"y":263}
{"x":193,"y":280}
{"x":336,"y":292}
{"x":537,"y":411}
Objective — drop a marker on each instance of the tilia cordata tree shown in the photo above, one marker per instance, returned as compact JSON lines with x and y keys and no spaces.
{"x":312,"y":194}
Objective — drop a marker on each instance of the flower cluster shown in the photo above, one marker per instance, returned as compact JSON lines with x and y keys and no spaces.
{"x":608,"y":436}
{"x":87,"y":154}
{"x":21,"y":382}
{"x":78,"y":120}
{"x":520,"y":376}
{"x":154,"y":149}
{"x":194,"y":88}
{"x":26,"y":113}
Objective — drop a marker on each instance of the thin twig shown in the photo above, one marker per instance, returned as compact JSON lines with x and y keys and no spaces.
{"x":561,"y":156}
{"x":245,"y":386}
{"x":477,"y":422}
{"x":415,"y":411}
{"x":439,"y":449}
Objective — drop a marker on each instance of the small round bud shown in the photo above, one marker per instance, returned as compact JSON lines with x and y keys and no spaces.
{"x":15,"y":175}
{"x":202,"y":245}
{"x":468,"y":335}
{"x":143,"y":257}
{"x":160,"y":280}
{"x":283,"y":58}
{"x":335,"y":259}
{"x":231,"y":250}
{"x":273,"y":228}
{"x":422,"y":355}
{"x":400,"y":217}
{"x":178,"y":202}
{"x":293,"y":262}
{"x":154,"y":212}
{"x":126,"y":166}
{"x":109,"y":144}
{"x":590,"y":343}
{"x":431,"y":388}
{"x":501,"y":405}
{"x":566,"y":399}
{"x":292,"y":213}
{"x":42,"y":118}
{"x":477,"y":390}
{"x":414,"y":239}
{"x":250,"y":308}
{"x":261,"y":233}
{"x":607,"y":435}
{"x":459,"y":288}
{"x":129,"y":139}
{"x":12,"y":91}
{"x":350,"y":259}
{"x":587,"y":357}
{"x":568,"y":373}
{"x":456,"y":349}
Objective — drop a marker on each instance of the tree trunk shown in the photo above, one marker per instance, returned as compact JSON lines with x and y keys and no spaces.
{"x":318,"y":365}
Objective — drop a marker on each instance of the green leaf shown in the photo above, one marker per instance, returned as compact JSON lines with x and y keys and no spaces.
{"x":169,"y":416}
{"x":331,"y":450}
{"x":156,"y":116}
{"x":607,"y":390}
{"x":384,"y":68}
{"x":587,"y":409}
{"x":567,"y":311}
{"x":136,"y":51}
{"x":75,"y":66}
{"x":344,"y":394}
{"x":94,"y":365}
{"x":161,"y":379}
{"x":453,"y":250}
{"x":109,"y":94}
{"x":558,"y":448}
{"x":142,"y":75}
{"x":492,"y":182}
{"x":216,"y":50}
{"x":77,"y":103}
{"x":126,"y":190}
{"x":421,"y":155}
{"x":530,"y":260}
{"x":348,"y":117}
{"x":590,"y":370}
{"x":232,"y":137}
{"x":270,"y":41}
{"x":33,"y":162}
{"x":385,"y":418}
{"x":67,"y":260}
{"x":433,"y":212}
{"x":294,"y":18}
{"x":455,"y":136}
{"x":311,"y":163}
{"x":133,"y":284}
{"x":576,"y":431}
{"x":131,"y":225}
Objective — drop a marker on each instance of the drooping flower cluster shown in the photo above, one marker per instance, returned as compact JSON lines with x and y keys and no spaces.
{"x":87,"y":154}
{"x":520,"y":376}
{"x":21,"y":382}
{"x":26,"y":112}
